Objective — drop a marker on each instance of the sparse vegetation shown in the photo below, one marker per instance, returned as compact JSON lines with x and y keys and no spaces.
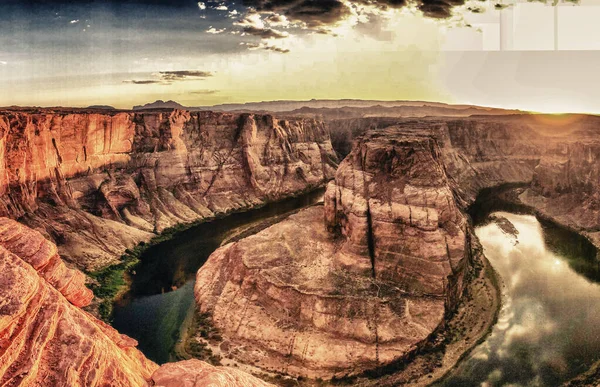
{"x":111,"y":282}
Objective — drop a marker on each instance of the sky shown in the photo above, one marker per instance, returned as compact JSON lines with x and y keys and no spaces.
{"x":527,"y":55}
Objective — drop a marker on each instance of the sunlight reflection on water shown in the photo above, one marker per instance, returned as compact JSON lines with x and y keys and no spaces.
{"x":549,"y":327}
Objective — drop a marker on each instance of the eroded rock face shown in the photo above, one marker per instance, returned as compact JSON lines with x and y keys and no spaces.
{"x":45,"y":340}
{"x":42,"y":255}
{"x":97,"y":184}
{"x":195,"y":373}
{"x":363,"y":289}
{"x":566,"y":186}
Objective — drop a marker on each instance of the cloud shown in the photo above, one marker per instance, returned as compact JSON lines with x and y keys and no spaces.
{"x":74,"y":21}
{"x":251,"y":19}
{"x":205,"y":92}
{"x":313,"y":13}
{"x":316,"y":14}
{"x":168,"y":77}
{"x":143,"y":82}
{"x":253,"y":24}
{"x":277,"y":20}
{"x":3,"y":63}
{"x":201,"y":5}
{"x":265,"y":33}
{"x":439,"y":9}
{"x":214,"y":31}
{"x":184,"y":74}
{"x":265,"y":46}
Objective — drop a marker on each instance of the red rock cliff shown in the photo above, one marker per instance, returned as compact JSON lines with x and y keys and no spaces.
{"x":99,"y":183}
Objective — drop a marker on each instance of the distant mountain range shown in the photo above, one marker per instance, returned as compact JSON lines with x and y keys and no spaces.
{"x":343,"y":108}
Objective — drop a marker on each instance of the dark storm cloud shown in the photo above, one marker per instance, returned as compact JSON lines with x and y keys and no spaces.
{"x":319,"y":13}
{"x":312,"y":12}
{"x":265,"y":33}
{"x":438,"y":8}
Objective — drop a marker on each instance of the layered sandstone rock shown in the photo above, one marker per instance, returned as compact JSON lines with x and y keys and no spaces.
{"x":45,"y":340}
{"x":97,"y":184}
{"x":43,"y":256}
{"x":555,"y":156}
{"x":304,"y":298}
{"x":195,"y":373}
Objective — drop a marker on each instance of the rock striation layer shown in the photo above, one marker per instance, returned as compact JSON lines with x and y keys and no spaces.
{"x":98,"y":183}
{"x":319,"y":300}
{"x":195,"y":373}
{"x":43,"y":256}
{"x":46,"y":340}
{"x":555,"y":157}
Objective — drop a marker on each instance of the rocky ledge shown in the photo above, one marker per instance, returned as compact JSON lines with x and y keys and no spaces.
{"x":321,"y":299}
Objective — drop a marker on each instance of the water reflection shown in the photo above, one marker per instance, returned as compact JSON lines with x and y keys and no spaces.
{"x":549,"y":327}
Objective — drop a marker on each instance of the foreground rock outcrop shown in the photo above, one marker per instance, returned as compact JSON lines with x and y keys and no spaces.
{"x":46,"y":340}
{"x":195,"y":373}
{"x":98,"y":183}
{"x":319,"y":300}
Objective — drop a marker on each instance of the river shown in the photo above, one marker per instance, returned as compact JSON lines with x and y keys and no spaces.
{"x":548,"y":329}
{"x":162,"y":289}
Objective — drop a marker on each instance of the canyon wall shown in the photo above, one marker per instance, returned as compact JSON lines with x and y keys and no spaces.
{"x":320,"y":300}
{"x":98,"y":183}
{"x":44,"y":339}
{"x":556,"y":157}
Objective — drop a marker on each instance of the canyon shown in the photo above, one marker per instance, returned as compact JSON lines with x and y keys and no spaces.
{"x":338,"y":289}
{"x":366,"y":279}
